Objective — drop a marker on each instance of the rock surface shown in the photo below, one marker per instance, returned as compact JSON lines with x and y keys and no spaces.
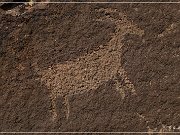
{"x":91,"y":67}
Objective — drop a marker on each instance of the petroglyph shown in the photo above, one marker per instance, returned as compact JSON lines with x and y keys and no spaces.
{"x":169,"y":30}
{"x":164,"y":128}
{"x":92,"y":70}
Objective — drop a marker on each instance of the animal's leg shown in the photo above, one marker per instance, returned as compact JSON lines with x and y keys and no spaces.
{"x":67,"y":107}
{"x":53,"y":105}
{"x":53,"y":98}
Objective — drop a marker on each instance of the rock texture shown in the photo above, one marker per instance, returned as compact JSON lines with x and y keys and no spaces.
{"x":90,"y":67}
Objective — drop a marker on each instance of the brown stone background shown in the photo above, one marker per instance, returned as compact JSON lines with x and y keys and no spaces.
{"x":37,"y":45}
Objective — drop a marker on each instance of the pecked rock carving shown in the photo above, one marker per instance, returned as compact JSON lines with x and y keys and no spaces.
{"x":90,"y":71}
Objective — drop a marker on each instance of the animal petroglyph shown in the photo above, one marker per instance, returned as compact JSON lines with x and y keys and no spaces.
{"x":92,"y":70}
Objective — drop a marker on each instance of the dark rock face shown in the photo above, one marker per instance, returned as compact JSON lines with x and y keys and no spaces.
{"x":152,"y":64}
{"x":59,"y":34}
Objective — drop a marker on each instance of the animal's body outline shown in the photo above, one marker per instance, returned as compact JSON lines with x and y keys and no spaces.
{"x":54,"y":79}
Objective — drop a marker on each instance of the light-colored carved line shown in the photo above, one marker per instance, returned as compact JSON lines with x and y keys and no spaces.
{"x":53,"y":103}
{"x":67,"y":107}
